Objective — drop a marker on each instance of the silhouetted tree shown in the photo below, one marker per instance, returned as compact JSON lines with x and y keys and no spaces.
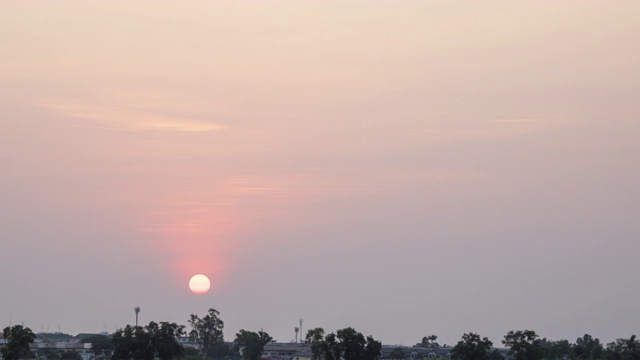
{"x":17,"y":340}
{"x":372,"y":349}
{"x":164,"y":338}
{"x":560,"y":349}
{"x":207,"y":331}
{"x":352,"y":343}
{"x":623,"y":349}
{"x":252,"y":343}
{"x":588,"y":348}
{"x":472,"y":347}
{"x":522,"y":345}
{"x":429,"y":342}
{"x":132,"y":343}
{"x":330,"y":348}
{"x":348,"y":344}
{"x":149,"y":342}
{"x":495,"y":354}
{"x":315,"y":337}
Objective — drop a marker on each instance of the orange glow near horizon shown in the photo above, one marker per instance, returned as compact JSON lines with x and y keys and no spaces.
{"x":202,"y":227}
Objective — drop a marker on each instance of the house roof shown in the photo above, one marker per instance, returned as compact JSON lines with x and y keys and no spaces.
{"x":83,"y":336}
{"x":285,"y":348}
{"x":54,"y":336}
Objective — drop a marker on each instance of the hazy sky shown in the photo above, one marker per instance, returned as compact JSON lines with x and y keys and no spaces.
{"x":403,"y":167}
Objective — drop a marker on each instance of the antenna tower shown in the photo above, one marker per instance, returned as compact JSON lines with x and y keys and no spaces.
{"x":137,"y":310}
{"x":301,"y":334}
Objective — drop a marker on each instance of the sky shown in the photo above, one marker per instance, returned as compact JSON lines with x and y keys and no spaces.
{"x":405,"y":168}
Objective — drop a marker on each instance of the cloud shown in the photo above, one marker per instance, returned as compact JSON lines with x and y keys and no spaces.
{"x":126,"y":118}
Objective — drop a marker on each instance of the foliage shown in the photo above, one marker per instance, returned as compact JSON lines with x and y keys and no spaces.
{"x":429,"y":342}
{"x":523,"y":345}
{"x":372,"y":348}
{"x":17,"y":340}
{"x":164,"y":339}
{"x":623,"y":349}
{"x":495,"y":354}
{"x":472,"y":347}
{"x":397,"y":354}
{"x":588,"y":348}
{"x":315,"y":337}
{"x":352,"y":344}
{"x":330,"y":348}
{"x":560,"y":349}
{"x":207,"y":331}
{"x":160,"y":341}
{"x":223,"y":350}
{"x":252,"y":343}
{"x":190,"y":353}
{"x":348,"y":344}
{"x":149,"y":342}
{"x":132,"y":343}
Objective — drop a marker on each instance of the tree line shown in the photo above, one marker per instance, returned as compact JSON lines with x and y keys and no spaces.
{"x":345,"y":344}
{"x":527,"y":345}
{"x":153,"y":341}
{"x":161,"y":341}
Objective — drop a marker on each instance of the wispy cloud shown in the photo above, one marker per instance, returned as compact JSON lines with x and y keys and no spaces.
{"x":129,"y":118}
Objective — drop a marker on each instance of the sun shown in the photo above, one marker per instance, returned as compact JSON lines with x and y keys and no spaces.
{"x":199,"y":284}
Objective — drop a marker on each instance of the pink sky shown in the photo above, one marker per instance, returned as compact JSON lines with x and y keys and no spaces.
{"x":403,"y":167}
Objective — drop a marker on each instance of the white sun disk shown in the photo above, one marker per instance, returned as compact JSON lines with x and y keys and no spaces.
{"x":199,"y":284}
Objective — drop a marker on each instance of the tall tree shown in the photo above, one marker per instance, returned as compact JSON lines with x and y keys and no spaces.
{"x":132,"y":343}
{"x":588,"y":348}
{"x":331,"y":348}
{"x":372,"y":349}
{"x":523,"y":345}
{"x":164,"y":337}
{"x":315,"y":338}
{"x":252,"y":343}
{"x":472,"y":347}
{"x":352,"y":343}
{"x":207,"y":331}
{"x":17,"y":340}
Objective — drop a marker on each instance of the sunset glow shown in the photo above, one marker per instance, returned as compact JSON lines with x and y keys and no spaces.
{"x":402,"y":166}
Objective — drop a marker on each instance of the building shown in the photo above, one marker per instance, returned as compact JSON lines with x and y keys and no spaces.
{"x":416,"y":352}
{"x":286,"y":351}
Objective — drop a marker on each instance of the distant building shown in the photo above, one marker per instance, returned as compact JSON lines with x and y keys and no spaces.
{"x":286,"y":351}
{"x":303,"y":355}
{"x":416,"y":352}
